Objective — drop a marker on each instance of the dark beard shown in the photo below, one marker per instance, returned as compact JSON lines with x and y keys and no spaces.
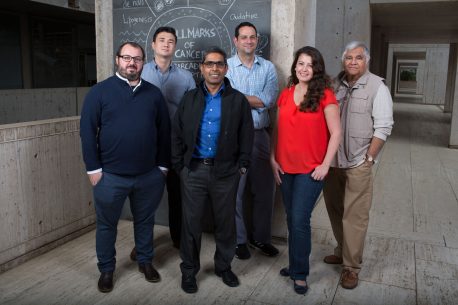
{"x":130,"y":76}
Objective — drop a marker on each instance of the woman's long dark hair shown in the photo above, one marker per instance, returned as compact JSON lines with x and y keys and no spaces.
{"x":317,"y":84}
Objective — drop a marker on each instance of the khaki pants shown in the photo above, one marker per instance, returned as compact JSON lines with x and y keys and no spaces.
{"x":348,"y":197}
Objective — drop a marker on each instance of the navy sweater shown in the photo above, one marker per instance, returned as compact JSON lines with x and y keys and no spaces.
{"x":125,"y":132}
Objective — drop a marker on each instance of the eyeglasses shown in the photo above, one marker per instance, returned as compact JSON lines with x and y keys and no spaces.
{"x":211,"y":64}
{"x":128,"y":58}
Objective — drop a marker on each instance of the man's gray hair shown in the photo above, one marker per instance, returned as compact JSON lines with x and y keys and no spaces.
{"x":356,"y":44}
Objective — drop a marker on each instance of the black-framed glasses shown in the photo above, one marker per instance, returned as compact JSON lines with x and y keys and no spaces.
{"x":128,"y":58}
{"x":211,"y":64}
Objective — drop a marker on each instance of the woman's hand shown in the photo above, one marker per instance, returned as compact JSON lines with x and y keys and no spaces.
{"x":320,"y":172}
{"x":276,"y":168}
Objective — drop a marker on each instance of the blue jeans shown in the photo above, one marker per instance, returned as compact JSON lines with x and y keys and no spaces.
{"x":145,"y":193}
{"x":299,"y":192}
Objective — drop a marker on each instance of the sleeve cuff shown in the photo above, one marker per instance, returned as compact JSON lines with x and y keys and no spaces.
{"x":94,"y":171}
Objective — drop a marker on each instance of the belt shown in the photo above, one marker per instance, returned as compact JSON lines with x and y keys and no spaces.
{"x":205,"y":161}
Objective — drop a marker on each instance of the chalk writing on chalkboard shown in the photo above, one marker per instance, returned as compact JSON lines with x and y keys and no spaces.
{"x":199,"y":25}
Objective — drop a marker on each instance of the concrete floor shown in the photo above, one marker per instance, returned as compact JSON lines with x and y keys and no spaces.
{"x":411,"y":254}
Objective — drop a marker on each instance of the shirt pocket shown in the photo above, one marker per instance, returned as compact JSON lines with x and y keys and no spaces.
{"x":359,"y":102}
{"x":358,"y":141}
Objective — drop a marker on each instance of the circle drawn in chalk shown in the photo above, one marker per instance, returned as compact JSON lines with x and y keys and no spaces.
{"x":159,"y":5}
{"x":263,"y":41}
{"x":174,"y":16}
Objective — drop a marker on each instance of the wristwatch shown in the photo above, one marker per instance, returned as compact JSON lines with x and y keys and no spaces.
{"x":369,"y":158}
{"x":243,"y":170}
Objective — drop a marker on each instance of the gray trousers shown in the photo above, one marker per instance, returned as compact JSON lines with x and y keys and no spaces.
{"x":200,"y":187}
{"x":261,"y":187}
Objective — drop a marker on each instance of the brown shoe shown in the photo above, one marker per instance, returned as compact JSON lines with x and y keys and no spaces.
{"x":133,"y":254}
{"x":333,"y":260}
{"x":349,"y":279}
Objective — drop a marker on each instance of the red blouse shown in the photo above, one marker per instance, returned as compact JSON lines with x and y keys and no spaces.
{"x":302,"y":136}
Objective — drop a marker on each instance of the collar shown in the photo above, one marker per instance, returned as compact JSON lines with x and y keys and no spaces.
{"x":220,"y":91}
{"x":127,"y":81}
{"x":362,"y":80}
{"x":238,"y":62}
{"x":171,"y":67}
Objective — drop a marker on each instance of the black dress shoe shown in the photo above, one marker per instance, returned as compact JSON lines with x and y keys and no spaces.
{"x":300,"y":289}
{"x":229,"y":278}
{"x":105,"y":282}
{"x":133,"y":254}
{"x":188,"y":283}
{"x":151,"y":274}
{"x":242,"y":252}
{"x":284,"y":271}
{"x":266,"y":249}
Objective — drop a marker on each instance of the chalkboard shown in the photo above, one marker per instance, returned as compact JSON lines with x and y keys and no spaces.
{"x":199,"y":25}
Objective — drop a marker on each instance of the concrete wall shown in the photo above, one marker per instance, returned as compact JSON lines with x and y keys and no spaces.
{"x":45,"y":195}
{"x":22,"y":105}
{"x":337,"y":23}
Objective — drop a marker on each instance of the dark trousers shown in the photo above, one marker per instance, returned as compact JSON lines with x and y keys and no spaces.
{"x":299,"y":192}
{"x":145,"y":193}
{"x":261,"y":186}
{"x":200,"y":187}
{"x":174,"y":200}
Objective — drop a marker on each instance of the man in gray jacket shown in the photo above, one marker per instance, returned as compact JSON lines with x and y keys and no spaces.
{"x":367,"y":119}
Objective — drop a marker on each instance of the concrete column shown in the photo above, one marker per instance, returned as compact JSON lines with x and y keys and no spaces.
{"x":454,"y":125}
{"x":451,"y":74}
{"x":293,"y":26}
{"x":104,"y":41}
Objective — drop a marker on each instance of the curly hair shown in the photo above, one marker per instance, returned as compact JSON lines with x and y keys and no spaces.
{"x":319,"y":82}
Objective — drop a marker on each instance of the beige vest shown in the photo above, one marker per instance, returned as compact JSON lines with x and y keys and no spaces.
{"x":356,"y":118}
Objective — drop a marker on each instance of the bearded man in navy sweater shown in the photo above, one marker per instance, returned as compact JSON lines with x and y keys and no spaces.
{"x":125,"y":137}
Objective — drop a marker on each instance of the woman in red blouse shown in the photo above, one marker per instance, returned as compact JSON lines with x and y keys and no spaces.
{"x":304,"y":142}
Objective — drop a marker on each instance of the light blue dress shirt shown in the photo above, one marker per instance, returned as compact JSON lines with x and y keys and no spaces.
{"x":173,"y":83}
{"x":260,"y":81}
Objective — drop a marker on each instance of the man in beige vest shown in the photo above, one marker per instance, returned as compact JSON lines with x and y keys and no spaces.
{"x":367,"y":119}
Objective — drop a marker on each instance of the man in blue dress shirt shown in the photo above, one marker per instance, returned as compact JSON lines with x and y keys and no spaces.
{"x":255,"y":77}
{"x":212,"y":137}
